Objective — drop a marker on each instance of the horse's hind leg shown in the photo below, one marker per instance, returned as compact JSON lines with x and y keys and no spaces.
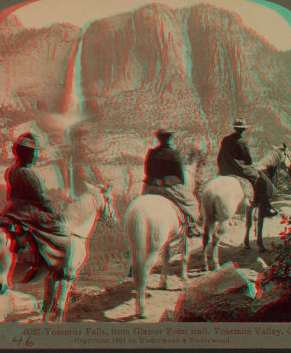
{"x":185,"y":258}
{"x":143,"y":269}
{"x":209,"y":230}
{"x":166,"y":256}
{"x":249,"y":212}
{"x":260,"y":225}
{"x":221,"y":229}
{"x":141,"y":277}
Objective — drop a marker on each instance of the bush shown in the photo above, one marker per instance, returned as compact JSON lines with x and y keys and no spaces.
{"x":280,"y":271}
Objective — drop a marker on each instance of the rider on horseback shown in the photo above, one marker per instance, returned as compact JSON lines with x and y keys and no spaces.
{"x":234,"y":159}
{"x":28,"y":206}
{"x":165,"y":176}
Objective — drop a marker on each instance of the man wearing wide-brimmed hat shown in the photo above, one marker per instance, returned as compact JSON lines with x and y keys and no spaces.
{"x":165,"y":176}
{"x":234,"y":158}
{"x":24,"y":184}
{"x":27,"y":202}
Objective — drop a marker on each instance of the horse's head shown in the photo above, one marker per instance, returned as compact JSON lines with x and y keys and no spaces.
{"x":108,"y":213}
{"x":277,"y":158}
{"x":285,"y":159}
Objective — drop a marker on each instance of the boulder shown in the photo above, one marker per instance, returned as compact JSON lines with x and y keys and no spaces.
{"x":12,"y":302}
{"x":227,"y":287}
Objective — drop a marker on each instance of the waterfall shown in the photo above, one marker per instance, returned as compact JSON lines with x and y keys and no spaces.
{"x":73,"y":107}
{"x":74,"y":98}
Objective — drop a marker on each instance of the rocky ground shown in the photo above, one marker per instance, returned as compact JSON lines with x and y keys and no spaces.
{"x":110,"y":296}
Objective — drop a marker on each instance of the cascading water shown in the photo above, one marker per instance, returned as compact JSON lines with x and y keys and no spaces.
{"x":67,"y":120}
{"x":73,"y":108}
{"x":74,"y":99}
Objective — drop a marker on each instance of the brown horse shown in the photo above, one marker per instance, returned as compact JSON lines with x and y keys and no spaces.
{"x":223,"y":196}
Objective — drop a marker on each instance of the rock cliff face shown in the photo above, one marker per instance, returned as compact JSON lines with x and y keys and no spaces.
{"x":33,"y":66}
{"x":195,"y":68}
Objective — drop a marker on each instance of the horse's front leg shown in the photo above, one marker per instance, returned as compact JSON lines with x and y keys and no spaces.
{"x":166,"y":256}
{"x":215,"y":251}
{"x":5,"y":268}
{"x":249,"y":212}
{"x":260,"y":225}
{"x":66,"y":286}
{"x":219,"y":231}
{"x":209,"y":230}
{"x":205,"y":244}
{"x":185,"y":258}
{"x":7,"y":261}
{"x":51,"y":291}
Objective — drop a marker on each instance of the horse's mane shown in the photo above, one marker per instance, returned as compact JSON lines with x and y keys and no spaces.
{"x":81,"y":210}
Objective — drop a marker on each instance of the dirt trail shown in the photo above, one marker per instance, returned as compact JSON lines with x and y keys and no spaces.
{"x":117,"y":303}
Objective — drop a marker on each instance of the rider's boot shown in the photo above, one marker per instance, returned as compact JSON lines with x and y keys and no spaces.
{"x":262,"y":198}
{"x":193,"y":230}
{"x":268,"y":210}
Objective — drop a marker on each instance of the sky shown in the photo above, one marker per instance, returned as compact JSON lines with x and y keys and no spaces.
{"x":264,"y":20}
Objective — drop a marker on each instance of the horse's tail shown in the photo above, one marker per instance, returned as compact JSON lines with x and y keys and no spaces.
{"x":135,"y":227}
{"x":136,"y":230}
{"x":208,"y":208}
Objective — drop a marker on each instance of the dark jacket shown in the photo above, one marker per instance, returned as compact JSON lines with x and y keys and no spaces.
{"x":28,"y":203}
{"x":24,"y":185}
{"x":164,"y":166}
{"x":234,"y":157}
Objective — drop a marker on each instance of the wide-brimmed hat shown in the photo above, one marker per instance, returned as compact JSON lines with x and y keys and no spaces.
{"x":240,"y":123}
{"x":164,"y":132}
{"x":28,"y":139}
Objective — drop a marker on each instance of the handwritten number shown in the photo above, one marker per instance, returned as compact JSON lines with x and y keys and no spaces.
{"x":17,"y":340}
{"x":28,"y":342}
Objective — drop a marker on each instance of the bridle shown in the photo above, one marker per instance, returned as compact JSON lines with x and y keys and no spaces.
{"x":286,"y":168}
{"x":107,"y":213}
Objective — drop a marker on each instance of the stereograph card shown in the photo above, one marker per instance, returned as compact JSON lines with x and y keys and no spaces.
{"x":145,"y":174}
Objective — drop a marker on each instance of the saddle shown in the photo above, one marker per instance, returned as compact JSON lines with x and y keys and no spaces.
{"x":247,"y":187}
{"x":184,"y":203}
{"x":19,"y":233}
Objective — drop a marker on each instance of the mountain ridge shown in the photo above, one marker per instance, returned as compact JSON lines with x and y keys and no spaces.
{"x":196,"y":67}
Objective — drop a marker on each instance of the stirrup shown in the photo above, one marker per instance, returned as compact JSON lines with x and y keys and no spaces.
{"x":271,"y":212}
{"x":193,"y":230}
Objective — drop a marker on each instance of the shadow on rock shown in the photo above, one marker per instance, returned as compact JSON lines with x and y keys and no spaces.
{"x":92,"y":307}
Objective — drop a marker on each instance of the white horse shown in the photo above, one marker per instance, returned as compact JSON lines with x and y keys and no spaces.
{"x":152,"y":222}
{"x":224,"y":196}
{"x":64,"y":255}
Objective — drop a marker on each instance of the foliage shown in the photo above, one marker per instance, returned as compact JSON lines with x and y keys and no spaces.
{"x":280,"y":271}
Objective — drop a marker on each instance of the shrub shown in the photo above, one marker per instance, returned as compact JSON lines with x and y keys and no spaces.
{"x":280,"y":270}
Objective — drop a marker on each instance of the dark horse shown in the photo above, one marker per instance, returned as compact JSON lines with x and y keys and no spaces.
{"x":223,"y":196}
